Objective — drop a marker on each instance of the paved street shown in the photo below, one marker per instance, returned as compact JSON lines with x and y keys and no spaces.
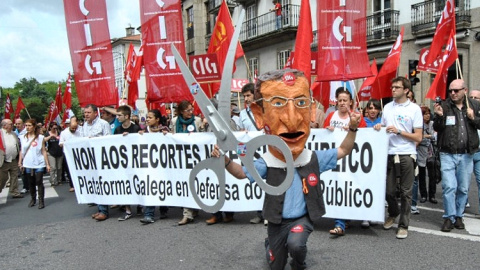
{"x":63,"y":236}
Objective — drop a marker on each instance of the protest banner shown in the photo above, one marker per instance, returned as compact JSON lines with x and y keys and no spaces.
{"x":153,"y":169}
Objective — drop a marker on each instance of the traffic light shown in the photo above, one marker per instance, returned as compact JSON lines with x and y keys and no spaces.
{"x":412,"y":71}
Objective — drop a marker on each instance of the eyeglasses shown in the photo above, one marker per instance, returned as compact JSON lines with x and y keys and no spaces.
{"x":396,"y":87}
{"x":188,"y":110}
{"x":299,"y":102}
{"x":455,"y":90}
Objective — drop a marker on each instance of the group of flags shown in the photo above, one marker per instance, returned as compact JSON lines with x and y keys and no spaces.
{"x":378,"y":85}
{"x":9,"y":108}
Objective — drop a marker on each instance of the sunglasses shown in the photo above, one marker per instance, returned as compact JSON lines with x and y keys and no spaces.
{"x":455,"y":90}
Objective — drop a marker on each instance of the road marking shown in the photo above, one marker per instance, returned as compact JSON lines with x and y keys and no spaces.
{"x":446,"y":234}
{"x":50,"y":191}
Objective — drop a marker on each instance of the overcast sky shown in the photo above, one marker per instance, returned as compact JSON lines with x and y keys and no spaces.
{"x":33,"y":37}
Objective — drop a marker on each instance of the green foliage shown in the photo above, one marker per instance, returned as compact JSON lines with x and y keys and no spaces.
{"x":36,"y":97}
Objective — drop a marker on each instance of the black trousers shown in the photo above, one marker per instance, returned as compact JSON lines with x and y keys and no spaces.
{"x":288,"y":237}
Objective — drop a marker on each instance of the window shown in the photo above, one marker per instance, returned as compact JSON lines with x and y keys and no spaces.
{"x":251,"y":19}
{"x":253,"y":67}
{"x":190,"y":32}
{"x":282,"y":57}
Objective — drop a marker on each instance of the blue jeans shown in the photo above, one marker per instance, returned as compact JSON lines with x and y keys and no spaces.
{"x":456,"y":172}
{"x":103,"y":209}
{"x":340,"y":223}
{"x":415,"y":191}
{"x":279,"y":22}
{"x":476,"y":170}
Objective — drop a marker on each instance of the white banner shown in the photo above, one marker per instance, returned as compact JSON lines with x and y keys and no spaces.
{"x":153,"y":169}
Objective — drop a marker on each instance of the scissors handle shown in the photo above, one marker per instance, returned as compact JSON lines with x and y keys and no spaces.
{"x":217,"y":165}
{"x":247,"y":159}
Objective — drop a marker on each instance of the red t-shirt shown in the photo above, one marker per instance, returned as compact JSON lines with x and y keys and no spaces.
{"x":278,"y":9}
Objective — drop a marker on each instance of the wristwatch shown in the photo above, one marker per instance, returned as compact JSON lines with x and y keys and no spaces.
{"x":399,"y":132}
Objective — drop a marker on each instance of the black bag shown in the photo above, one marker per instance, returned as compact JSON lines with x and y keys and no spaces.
{"x":433,"y":164}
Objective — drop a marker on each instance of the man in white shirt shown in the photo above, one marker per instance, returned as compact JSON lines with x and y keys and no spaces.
{"x":9,"y":158}
{"x":71,"y":132}
{"x":403,"y":120}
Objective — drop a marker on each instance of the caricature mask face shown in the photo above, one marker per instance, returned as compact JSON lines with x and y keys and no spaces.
{"x":287,"y":113}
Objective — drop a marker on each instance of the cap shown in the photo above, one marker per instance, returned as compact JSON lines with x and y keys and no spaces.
{"x":67,"y":121}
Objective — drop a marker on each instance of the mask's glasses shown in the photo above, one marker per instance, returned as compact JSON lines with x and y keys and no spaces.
{"x":299,"y":102}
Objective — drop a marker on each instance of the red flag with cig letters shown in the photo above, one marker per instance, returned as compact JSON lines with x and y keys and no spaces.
{"x":91,"y":52}
{"x":67,"y":96}
{"x":446,"y":24}
{"x":8,"y":107}
{"x":342,"y":42}
{"x":162,"y":26}
{"x":439,"y":84}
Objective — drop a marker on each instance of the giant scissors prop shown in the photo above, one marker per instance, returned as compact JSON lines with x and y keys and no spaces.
{"x":226,"y":140}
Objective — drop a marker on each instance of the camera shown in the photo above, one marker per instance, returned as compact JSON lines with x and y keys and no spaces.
{"x":438,"y":100}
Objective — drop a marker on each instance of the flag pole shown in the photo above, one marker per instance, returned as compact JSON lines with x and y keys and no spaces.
{"x":29,"y":117}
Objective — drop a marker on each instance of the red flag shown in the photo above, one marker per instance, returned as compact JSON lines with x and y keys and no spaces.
{"x":2,"y":146}
{"x":439,"y":84}
{"x":446,"y":24}
{"x":51,"y":113}
{"x":162,"y":26}
{"x":321,"y":92}
{"x":91,"y":52}
{"x":132,"y":94}
{"x":381,"y":87}
{"x":222,"y":36}
{"x":20,"y":107}
{"x":58,"y":99}
{"x":303,"y":52}
{"x":129,"y":63}
{"x":365,"y":92}
{"x":137,"y":64}
{"x":342,"y":42}
{"x":8,"y":107}
{"x":67,"y":96}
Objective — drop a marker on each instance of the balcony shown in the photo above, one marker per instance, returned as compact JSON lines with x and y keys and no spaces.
{"x":426,"y":15}
{"x":213,"y":5}
{"x":382,"y":26}
{"x":262,"y":30}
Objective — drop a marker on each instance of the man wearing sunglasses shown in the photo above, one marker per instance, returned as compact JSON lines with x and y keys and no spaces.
{"x":456,"y":122}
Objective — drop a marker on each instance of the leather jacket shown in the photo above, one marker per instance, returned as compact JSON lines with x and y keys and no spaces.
{"x":447,"y":134}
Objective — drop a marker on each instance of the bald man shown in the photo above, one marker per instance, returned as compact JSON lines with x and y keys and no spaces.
{"x":456,"y":121}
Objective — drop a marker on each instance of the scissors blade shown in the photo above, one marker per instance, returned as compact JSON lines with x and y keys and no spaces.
{"x":225,"y":138}
{"x":224,"y":93}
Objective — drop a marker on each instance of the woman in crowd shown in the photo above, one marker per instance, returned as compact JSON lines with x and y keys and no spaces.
{"x":33,"y":159}
{"x":372,"y":112}
{"x":155,"y":123}
{"x":186,"y":122}
{"x":425,"y":152}
{"x":340,"y":119}
{"x":54,"y":154}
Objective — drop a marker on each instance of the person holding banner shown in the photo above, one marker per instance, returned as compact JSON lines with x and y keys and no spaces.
{"x":290,"y":215}
{"x":33,"y":159}
{"x":404,"y":124}
{"x":341,"y":119}
{"x":155,"y":123}
{"x":94,"y":126}
{"x":186,"y":122}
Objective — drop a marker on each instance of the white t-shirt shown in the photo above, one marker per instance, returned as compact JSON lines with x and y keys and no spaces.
{"x":337,"y":122}
{"x":34,"y":158}
{"x":406,"y":117}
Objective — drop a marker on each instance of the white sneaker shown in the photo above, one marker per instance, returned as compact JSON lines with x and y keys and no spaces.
{"x":265,"y":222}
{"x":365,"y":224}
{"x":23,"y":191}
{"x":402,"y":233}
{"x":414,"y":210}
